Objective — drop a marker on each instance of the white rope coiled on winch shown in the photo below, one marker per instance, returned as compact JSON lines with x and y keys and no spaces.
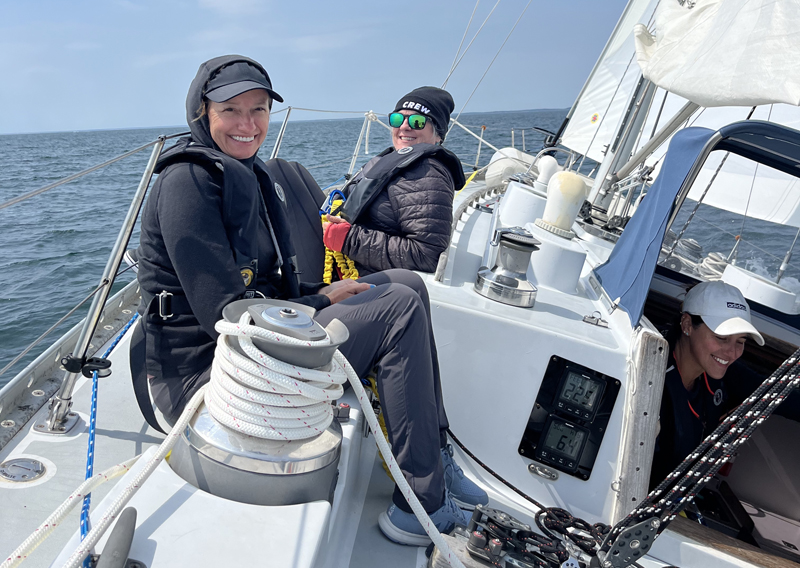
{"x":306,"y":387}
{"x":285,"y":384}
{"x":264,"y":397}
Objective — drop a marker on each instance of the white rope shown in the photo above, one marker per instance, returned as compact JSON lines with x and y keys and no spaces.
{"x":295,"y":379}
{"x":712,"y":266}
{"x":133,"y":486}
{"x":261,"y":365}
{"x":264,"y":397}
{"x":76,"y":498}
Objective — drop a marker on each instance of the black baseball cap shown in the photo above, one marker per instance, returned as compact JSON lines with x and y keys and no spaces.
{"x":237,"y":78}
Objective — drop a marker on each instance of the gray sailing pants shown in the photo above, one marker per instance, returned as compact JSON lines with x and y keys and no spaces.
{"x":390,"y":331}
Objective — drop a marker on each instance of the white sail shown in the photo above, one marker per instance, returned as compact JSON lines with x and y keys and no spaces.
{"x":596,"y":114}
{"x":724,"y":53}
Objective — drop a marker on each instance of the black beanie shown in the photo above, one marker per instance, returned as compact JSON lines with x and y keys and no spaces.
{"x":430,"y":101}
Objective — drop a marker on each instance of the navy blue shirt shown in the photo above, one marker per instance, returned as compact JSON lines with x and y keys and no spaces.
{"x":686,"y":418}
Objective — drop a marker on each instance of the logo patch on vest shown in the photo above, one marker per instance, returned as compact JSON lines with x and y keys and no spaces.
{"x":405,"y":150}
{"x":247,"y":276}
{"x":736,"y":306}
{"x":718,"y":397}
{"x":279,"y":191}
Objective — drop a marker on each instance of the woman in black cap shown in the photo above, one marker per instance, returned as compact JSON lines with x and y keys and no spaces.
{"x":215,"y":230}
{"x":399,"y":207}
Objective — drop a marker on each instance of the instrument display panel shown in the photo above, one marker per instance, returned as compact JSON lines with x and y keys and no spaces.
{"x":568,"y":421}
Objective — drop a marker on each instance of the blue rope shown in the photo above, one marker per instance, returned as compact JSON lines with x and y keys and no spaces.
{"x":334,"y":183}
{"x":90,"y":451}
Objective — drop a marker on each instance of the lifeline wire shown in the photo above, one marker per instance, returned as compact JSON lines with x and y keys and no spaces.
{"x":87,"y":500}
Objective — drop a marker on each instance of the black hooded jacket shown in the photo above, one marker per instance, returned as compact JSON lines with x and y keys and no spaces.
{"x":213,"y":229}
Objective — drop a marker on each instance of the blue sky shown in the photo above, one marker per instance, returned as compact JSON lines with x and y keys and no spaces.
{"x":84,"y":64}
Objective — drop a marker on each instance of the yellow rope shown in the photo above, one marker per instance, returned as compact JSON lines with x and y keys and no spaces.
{"x":468,"y":180}
{"x":346,"y":266}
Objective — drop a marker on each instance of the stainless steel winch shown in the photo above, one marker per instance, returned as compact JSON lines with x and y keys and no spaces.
{"x":507,"y":280}
{"x":247,"y":469}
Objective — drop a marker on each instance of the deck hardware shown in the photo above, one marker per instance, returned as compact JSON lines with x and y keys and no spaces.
{"x":37,"y":392}
{"x":69,"y":422}
{"x":595,"y":319}
{"x":7,"y":423}
{"x":633,"y":543}
{"x":542,"y":471}
{"x":21,"y":470}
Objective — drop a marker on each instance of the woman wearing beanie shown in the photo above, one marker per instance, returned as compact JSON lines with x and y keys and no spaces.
{"x":214,"y":230}
{"x":705,"y":344}
{"x":399,"y":207}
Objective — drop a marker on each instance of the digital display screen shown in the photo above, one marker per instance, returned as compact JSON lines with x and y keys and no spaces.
{"x":564,"y":439}
{"x":580,"y":390}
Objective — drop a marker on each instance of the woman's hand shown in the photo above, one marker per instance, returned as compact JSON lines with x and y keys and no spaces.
{"x":334,"y":232}
{"x":343,"y":289}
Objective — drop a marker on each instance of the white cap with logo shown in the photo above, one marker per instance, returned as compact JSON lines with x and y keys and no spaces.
{"x":723,"y":309}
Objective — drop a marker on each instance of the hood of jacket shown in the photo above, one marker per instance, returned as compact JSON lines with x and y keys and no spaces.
{"x":194,"y":99}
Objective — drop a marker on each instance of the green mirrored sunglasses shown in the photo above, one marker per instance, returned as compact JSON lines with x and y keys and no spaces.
{"x":415,"y":121}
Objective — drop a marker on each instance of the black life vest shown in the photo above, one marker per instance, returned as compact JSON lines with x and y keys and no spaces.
{"x":385,"y":167}
{"x":239,"y":214}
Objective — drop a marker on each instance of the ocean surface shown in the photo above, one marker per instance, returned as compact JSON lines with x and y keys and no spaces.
{"x":54,"y":246}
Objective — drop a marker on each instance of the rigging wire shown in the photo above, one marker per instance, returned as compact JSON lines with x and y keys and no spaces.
{"x":460,"y":45}
{"x":82,"y":173}
{"x":755,"y":174}
{"x":457,"y":63}
{"x":490,"y":65}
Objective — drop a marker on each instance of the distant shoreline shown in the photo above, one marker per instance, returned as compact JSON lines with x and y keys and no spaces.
{"x":276,"y":120}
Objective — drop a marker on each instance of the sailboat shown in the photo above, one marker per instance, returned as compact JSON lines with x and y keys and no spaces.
{"x":552,"y":365}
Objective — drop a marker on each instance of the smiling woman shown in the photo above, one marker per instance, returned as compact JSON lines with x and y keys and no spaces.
{"x":215,"y":229}
{"x":705,"y":344}
{"x":399,"y":206}
{"x":239,"y":125}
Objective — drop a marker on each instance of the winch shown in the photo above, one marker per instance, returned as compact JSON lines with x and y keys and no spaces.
{"x":216,"y":455}
{"x":507,"y":280}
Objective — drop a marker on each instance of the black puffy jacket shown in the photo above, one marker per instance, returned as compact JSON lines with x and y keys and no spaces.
{"x":408,"y":224}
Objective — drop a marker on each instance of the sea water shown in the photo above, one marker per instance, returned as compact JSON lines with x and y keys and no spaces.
{"x":54,"y":247}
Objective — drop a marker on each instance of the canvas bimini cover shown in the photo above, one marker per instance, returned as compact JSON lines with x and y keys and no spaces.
{"x":627,"y":274}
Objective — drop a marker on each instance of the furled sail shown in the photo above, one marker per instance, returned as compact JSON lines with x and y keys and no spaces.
{"x":595,"y":116}
{"x":724,"y":52}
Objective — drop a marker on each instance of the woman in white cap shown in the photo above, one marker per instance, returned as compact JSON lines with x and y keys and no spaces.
{"x":709,"y":338}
